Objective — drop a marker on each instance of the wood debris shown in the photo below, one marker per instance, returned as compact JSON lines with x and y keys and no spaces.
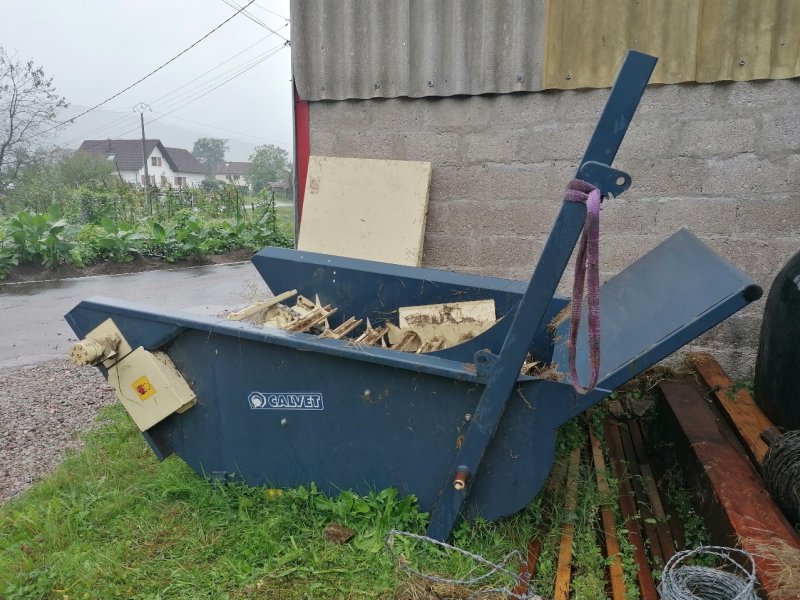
{"x":530,"y":366}
{"x":542,"y":370}
{"x":304,"y":316}
{"x":408,"y":342}
{"x":279,"y":317}
{"x":431,"y":346}
{"x":260,"y":307}
{"x":338,"y":534}
{"x":420,"y":329}
{"x":372,"y":336}
{"x":311,"y":318}
{"x":342,"y":330}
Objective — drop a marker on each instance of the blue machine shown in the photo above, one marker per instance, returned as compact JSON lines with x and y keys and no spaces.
{"x":459,"y":428}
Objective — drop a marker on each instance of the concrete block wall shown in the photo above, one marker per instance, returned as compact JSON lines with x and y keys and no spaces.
{"x":722,"y":160}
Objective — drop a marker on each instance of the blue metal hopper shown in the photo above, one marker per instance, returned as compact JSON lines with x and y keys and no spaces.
{"x":282,"y":409}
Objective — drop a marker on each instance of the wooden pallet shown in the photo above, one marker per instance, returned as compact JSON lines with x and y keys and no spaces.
{"x":717,"y":433}
{"x":650,"y":524}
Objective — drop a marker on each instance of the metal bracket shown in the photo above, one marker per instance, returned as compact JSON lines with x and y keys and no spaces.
{"x":610,"y":181}
{"x":484,"y":363}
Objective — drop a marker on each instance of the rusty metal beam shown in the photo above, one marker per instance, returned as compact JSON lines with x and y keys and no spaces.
{"x":729,"y":490}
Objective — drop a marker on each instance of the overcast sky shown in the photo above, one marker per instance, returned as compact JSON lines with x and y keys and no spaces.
{"x":95,"y":48}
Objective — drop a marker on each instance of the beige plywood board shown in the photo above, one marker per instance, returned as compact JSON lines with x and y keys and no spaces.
{"x":366,"y":208}
{"x":475,"y":311}
{"x":451,"y":323}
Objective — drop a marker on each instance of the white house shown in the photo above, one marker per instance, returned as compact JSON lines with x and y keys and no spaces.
{"x":174,"y":166}
{"x":237,"y":173}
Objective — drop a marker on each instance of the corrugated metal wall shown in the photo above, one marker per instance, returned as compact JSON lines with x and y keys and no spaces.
{"x":388,"y":48}
{"x":695,"y":40}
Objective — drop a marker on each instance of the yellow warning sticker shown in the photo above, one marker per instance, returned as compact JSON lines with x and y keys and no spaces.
{"x":143,"y":388}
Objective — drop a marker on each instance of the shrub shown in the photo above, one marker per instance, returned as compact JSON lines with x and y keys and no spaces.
{"x":41,"y":237}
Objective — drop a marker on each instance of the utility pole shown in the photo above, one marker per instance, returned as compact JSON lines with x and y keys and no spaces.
{"x":140,"y":108}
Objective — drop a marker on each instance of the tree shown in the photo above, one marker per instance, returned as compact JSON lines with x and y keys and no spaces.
{"x":46,"y":179}
{"x":28,"y":108}
{"x":82,"y":169}
{"x":270,"y":163}
{"x":210,"y":152}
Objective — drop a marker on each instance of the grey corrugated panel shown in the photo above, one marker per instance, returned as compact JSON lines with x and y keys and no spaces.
{"x":390,"y":48}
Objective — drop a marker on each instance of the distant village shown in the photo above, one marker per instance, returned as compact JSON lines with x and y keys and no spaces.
{"x":164,"y":165}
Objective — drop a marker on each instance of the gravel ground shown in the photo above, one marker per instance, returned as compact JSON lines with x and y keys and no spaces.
{"x":43,"y":408}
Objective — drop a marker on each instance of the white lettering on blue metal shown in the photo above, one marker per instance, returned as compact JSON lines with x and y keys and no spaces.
{"x":270,"y":401}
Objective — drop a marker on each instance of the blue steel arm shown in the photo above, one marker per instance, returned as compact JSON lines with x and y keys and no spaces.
{"x":603,"y":146}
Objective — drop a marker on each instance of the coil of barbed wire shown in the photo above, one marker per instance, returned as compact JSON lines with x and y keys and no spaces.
{"x":782,"y":472}
{"x":734,"y":579}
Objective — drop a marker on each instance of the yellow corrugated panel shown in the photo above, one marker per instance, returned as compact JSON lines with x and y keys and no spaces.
{"x":695,"y":40}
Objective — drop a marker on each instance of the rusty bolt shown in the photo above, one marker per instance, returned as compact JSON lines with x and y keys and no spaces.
{"x":461,"y":478}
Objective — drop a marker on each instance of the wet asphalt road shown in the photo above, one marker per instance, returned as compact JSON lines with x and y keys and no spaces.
{"x":32,"y":325}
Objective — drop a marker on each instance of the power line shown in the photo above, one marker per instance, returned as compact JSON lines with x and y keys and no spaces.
{"x":114,"y":122}
{"x":177,"y":95}
{"x":180,"y":97}
{"x":210,"y":85}
{"x":269,"y":35}
{"x":241,"y":72}
{"x":234,"y":132}
{"x":153,"y":72}
{"x":96,"y":129}
{"x":271,"y":11}
{"x":250,"y":16}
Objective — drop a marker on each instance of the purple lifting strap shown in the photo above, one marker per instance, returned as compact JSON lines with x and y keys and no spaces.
{"x":587,"y":265}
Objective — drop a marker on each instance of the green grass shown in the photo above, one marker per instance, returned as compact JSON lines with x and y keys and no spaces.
{"x":113,"y":522}
{"x":285,"y":216}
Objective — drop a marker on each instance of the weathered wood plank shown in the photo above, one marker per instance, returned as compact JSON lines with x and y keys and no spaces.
{"x":564,"y":569}
{"x":528,"y":569}
{"x":628,"y":508}
{"x":738,"y":404}
{"x":609,"y":523}
{"x":642,"y":500}
{"x":654,"y":498}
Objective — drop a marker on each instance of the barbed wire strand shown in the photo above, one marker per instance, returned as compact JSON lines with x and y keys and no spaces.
{"x":680,"y":581}
{"x":494,"y":568}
